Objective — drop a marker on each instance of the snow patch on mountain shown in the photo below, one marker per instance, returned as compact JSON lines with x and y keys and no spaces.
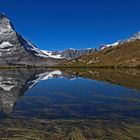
{"x":110,"y":45}
{"x":5,"y":44}
{"x":29,"y":46}
{"x":71,"y":49}
{"x":41,"y":53}
{"x":52,"y":55}
{"x":133,"y":38}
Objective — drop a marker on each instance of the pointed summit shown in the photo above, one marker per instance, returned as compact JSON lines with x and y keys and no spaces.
{"x":2,"y":15}
{"x":5,"y":22}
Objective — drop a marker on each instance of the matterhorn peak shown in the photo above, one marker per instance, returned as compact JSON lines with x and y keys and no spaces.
{"x":3,"y":15}
{"x":5,"y":22}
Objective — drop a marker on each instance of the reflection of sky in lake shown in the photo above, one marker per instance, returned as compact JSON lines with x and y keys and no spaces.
{"x":60,"y":98}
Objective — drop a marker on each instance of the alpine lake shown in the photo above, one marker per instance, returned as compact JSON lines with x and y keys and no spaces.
{"x":69,"y":104}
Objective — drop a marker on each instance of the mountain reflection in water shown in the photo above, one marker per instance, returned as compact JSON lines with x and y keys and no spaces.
{"x":14,"y":83}
{"x":70,"y":103}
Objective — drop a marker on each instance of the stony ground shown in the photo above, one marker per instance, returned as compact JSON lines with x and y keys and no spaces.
{"x":69,"y":130}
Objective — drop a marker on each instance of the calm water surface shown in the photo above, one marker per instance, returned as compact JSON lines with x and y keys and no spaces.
{"x":79,"y":103}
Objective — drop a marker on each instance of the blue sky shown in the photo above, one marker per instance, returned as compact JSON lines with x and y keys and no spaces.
{"x":62,"y":24}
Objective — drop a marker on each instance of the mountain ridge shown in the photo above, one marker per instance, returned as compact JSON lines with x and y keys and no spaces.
{"x":125,"y":53}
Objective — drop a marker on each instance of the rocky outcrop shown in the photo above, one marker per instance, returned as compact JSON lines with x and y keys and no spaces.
{"x":73,"y":53}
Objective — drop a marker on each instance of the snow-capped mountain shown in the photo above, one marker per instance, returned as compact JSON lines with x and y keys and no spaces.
{"x":10,"y":39}
{"x":133,"y":38}
{"x":16,"y":50}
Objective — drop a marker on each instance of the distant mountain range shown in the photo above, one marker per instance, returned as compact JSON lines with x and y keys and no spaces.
{"x":15,"y":50}
{"x":125,"y":53}
{"x":69,"y":53}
